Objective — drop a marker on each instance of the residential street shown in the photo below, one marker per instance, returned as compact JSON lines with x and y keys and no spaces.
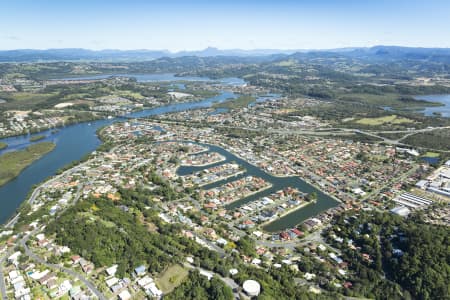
{"x":38,"y":259}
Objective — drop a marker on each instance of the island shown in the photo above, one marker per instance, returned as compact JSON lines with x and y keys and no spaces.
{"x":37,"y":138}
{"x":14,"y":162}
{"x":240,"y":102}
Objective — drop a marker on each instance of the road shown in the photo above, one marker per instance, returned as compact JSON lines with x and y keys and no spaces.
{"x":33,"y":256}
{"x":38,"y":259}
{"x":315,"y":237}
{"x":2,"y":275}
{"x":228,"y":281}
{"x":37,"y":190}
{"x":340,"y":131}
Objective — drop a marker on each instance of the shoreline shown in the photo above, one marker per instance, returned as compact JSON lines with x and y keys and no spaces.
{"x":248,"y":195}
{"x":105,"y":117}
{"x":222,"y":159}
{"x":51,"y":147}
{"x":284,"y":214}
{"x":35,"y":192}
{"x":223,"y":178}
{"x":278,"y":176}
{"x":208,"y":143}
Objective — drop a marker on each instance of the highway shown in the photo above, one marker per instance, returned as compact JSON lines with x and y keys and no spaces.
{"x":349,"y":131}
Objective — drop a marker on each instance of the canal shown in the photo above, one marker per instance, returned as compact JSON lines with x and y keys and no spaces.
{"x":290,"y":220}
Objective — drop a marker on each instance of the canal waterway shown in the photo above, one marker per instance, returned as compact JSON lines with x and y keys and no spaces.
{"x":290,"y":220}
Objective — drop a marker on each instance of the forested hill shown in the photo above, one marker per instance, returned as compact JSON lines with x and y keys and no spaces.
{"x":394,"y":258}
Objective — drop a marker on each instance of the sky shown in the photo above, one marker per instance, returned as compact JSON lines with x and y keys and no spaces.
{"x":245,"y":24}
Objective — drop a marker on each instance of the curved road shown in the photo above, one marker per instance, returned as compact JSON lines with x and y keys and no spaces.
{"x":37,"y":190}
{"x":38,"y":259}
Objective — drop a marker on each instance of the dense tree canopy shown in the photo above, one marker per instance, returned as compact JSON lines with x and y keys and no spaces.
{"x":199,"y":287}
{"x":404,"y":254}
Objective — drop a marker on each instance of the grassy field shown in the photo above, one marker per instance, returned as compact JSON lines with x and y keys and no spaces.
{"x":14,"y":162}
{"x":392,"y":119}
{"x":37,"y":138}
{"x":3,"y":146}
{"x":241,"y":101}
{"x":431,"y":154}
{"x":171,"y":278}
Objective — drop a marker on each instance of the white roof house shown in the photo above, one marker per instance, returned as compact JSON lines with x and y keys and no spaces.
{"x":14,"y":257}
{"x":111,"y":281}
{"x":111,"y":271}
{"x":233,"y":272}
{"x":125,"y":295}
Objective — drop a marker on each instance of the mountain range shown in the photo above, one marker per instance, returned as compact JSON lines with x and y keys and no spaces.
{"x":371,"y":53}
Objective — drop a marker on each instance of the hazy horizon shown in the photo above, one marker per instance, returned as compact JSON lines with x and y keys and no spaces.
{"x":177,"y":25}
{"x":222,"y":49}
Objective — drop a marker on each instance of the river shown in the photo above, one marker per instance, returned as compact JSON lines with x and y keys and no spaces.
{"x":443,"y":110}
{"x":162,"y":77}
{"x":72,"y":143}
{"x":75,"y":141}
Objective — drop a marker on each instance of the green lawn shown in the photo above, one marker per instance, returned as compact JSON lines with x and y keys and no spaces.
{"x":431,"y":154}
{"x":171,"y":278}
{"x":392,"y":119}
{"x":14,"y":162}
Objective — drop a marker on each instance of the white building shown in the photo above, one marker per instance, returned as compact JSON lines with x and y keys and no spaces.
{"x":252,"y":288}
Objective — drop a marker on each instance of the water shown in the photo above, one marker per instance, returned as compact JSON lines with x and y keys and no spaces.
{"x":443,"y":110}
{"x":163,"y":77}
{"x":290,"y":220}
{"x":218,"y":111}
{"x":72,"y":143}
{"x":431,"y":160}
{"x":75,"y":141}
{"x":386,"y":108}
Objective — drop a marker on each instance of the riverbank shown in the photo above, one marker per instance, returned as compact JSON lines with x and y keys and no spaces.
{"x":240,"y":102}
{"x":14,"y":162}
{"x":37,"y":138}
{"x":224,"y":178}
{"x":249,"y":194}
{"x":3,"y":146}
